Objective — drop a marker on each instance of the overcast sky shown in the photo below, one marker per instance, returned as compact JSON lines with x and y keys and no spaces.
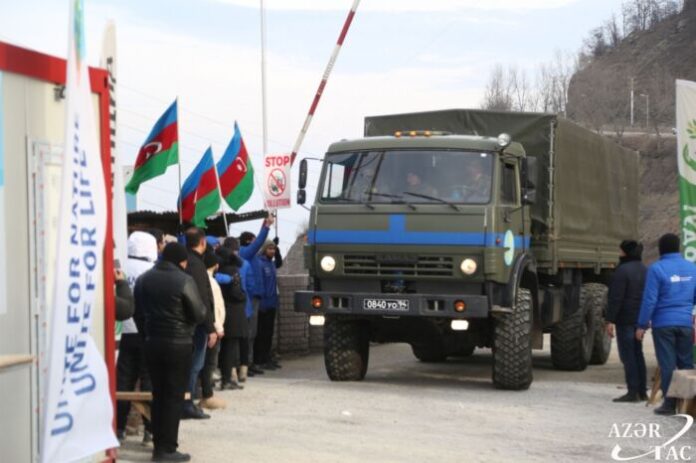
{"x":400,"y":55}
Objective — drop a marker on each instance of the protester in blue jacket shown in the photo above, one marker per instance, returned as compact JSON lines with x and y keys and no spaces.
{"x":667,"y":307}
{"x":250,"y":247}
{"x":268,"y":261}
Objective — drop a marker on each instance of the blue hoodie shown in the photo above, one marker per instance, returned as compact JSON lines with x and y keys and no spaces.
{"x":248,"y":253}
{"x":670,"y":293}
{"x":247,"y":279}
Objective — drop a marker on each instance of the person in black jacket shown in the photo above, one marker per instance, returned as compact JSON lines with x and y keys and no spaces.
{"x":205,"y":335}
{"x":235,"y":344}
{"x":167,"y":310}
{"x":625,"y":296}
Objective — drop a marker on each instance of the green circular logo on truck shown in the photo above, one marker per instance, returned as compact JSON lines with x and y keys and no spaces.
{"x":509,"y":244}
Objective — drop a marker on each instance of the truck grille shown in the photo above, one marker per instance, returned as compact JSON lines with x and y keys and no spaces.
{"x":397,"y":266}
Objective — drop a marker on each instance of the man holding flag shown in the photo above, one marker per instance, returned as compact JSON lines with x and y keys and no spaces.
{"x":78,"y":411}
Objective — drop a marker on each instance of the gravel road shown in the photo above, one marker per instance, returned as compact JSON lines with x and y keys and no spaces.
{"x":408,"y":411}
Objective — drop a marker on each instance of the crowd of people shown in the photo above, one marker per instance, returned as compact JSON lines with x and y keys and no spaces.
{"x":198,"y":306}
{"x":661,"y":298}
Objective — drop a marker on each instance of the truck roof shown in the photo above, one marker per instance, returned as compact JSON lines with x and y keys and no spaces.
{"x":463,"y":142}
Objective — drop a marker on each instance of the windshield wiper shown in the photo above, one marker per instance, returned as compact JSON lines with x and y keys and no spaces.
{"x":433,"y":198}
{"x":400,"y":199}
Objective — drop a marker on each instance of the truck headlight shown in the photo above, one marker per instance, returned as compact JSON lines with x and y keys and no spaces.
{"x":468,"y":266}
{"x":328,"y":264}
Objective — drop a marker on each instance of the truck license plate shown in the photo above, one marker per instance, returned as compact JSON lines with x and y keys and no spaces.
{"x":392,"y":305}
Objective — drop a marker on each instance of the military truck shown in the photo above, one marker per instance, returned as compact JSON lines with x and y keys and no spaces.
{"x":462,"y":229}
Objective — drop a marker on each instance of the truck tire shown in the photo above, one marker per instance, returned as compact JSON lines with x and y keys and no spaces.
{"x":512,"y":345}
{"x":598,"y":300}
{"x":572,"y":338}
{"x":346,"y":349}
{"x":429,"y":353}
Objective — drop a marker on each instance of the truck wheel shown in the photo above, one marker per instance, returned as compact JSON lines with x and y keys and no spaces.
{"x":572,"y":338}
{"x":346,"y":349}
{"x":512,"y":345}
{"x":429,"y":353}
{"x":598,"y":300}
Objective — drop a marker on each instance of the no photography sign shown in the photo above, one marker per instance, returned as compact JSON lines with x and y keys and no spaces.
{"x":276,"y":181}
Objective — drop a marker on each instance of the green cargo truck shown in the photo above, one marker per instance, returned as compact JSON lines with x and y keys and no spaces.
{"x":452,"y":230}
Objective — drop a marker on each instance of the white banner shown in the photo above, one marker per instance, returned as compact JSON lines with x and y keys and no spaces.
{"x":119,"y":213}
{"x":276,"y":181}
{"x":78,"y":414}
{"x":3,"y":236}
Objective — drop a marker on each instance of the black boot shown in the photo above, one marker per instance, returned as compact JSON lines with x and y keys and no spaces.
{"x":170,"y":456}
{"x":191,"y":412}
{"x":643,"y":396}
{"x":668,"y":407}
{"x":629,"y":397}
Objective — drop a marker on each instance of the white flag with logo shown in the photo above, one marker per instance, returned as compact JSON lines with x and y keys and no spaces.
{"x":686,"y":156}
{"x":276,"y":181}
{"x":78,"y":412}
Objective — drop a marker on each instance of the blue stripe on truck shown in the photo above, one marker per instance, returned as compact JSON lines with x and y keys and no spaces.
{"x":397,"y":234}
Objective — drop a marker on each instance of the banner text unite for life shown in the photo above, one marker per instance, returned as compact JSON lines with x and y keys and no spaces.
{"x":81,"y":269}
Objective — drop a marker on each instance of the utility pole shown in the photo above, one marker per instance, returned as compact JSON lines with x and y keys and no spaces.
{"x":632,"y":99}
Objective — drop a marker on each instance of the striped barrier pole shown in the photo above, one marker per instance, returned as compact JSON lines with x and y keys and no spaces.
{"x":324,"y":79}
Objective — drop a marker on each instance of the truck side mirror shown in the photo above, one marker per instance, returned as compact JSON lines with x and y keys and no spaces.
{"x":529,"y":172}
{"x":301,"y":196}
{"x":303,"y":174}
{"x":529,"y":179}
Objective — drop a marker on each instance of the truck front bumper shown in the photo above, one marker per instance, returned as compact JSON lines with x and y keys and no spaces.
{"x":392,"y":305}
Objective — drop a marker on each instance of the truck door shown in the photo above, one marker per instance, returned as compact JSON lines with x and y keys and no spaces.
{"x":512,"y":222}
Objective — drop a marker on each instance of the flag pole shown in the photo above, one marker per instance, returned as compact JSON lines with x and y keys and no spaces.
{"x":222,"y":199}
{"x":264,"y":94}
{"x":178,"y":160}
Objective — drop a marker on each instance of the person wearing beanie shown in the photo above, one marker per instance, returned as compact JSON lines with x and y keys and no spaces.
{"x":212,"y":262}
{"x":167,"y":310}
{"x":668,"y":301}
{"x":625,"y":295}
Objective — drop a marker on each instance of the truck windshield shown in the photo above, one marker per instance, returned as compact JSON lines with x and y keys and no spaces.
{"x":420,"y":177}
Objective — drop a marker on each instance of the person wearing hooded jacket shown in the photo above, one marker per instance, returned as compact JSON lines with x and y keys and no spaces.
{"x":625,"y":295}
{"x":250,"y":246}
{"x":667,"y":306}
{"x":131,"y":366}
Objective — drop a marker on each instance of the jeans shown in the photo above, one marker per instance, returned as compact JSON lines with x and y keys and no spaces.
{"x":211,"y":362}
{"x":131,"y":367}
{"x":169,"y":365}
{"x":631,"y":355}
{"x":200,"y":345}
{"x":264,"y":336}
{"x":674,"y":350}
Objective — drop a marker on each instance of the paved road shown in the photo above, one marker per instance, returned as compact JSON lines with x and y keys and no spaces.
{"x":407,"y":411}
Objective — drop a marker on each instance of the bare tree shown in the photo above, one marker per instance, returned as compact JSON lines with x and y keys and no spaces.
{"x":613,"y":32}
{"x":642,"y":15}
{"x":498,"y":96}
{"x":659,"y":88}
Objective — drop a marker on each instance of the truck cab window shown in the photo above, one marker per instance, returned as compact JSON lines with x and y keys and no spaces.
{"x":508,"y":183}
{"x":416,"y":176}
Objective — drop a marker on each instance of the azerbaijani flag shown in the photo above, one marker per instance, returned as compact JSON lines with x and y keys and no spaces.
{"x":160,"y":150}
{"x":200,"y":196}
{"x":236,"y":172}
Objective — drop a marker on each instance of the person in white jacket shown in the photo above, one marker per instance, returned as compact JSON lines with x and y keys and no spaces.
{"x":130,"y":366}
{"x":211,"y":356}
